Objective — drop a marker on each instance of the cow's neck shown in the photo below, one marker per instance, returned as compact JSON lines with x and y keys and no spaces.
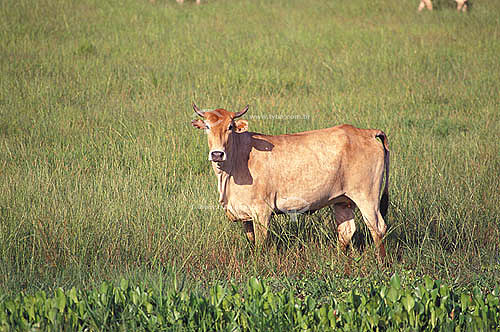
{"x":222,"y":180}
{"x":223,"y":171}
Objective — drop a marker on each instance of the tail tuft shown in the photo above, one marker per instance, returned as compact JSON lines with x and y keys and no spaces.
{"x":384,"y":201}
{"x":384,"y":204}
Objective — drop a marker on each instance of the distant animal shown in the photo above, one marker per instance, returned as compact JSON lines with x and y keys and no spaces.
{"x":182,"y":1}
{"x":461,"y":5}
{"x":260,"y":175}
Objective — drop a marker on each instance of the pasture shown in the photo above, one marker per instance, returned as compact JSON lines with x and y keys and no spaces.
{"x":102,"y":177}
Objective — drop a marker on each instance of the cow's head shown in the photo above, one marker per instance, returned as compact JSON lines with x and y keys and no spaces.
{"x":220,"y":126}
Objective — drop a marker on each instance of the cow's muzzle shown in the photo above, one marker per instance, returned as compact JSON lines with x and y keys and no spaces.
{"x":217,"y":156}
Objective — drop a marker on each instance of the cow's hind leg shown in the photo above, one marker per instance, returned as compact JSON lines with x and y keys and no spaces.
{"x":344,"y":217}
{"x":375,"y":223}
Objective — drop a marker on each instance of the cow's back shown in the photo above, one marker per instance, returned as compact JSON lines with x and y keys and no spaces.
{"x":311,"y":167}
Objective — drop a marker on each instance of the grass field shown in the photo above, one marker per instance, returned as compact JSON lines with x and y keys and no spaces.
{"x":102,"y":176}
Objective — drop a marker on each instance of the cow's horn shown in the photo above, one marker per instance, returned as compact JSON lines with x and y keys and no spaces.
{"x":197,"y":110}
{"x":237,"y":115}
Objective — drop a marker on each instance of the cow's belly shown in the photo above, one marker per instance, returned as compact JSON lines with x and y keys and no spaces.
{"x":302,"y":203}
{"x":244,"y":211}
{"x":243,"y":202}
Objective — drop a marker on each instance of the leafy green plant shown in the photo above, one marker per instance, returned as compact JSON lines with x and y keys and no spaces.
{"x":102,"y":179}
{"x":427,"y":306}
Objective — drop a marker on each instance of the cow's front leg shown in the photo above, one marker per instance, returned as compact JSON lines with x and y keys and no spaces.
{"x":256,"y":232}
{"x":261,"y":225}
{"x":248,"y":228}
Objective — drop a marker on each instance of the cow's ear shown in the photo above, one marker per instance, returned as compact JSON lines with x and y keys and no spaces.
{"x":241,"y":126}
{"x":198,"y":123}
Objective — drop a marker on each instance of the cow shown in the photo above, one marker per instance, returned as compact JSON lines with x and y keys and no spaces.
{"x":461,"y":5}
{"x":182,"y":1}
{"x":260,"y":175}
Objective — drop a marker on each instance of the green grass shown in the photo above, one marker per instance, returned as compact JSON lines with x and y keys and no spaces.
{"x":101,"y":175}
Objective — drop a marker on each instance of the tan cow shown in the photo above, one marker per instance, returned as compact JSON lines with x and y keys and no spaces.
{"x":461,"y":5}
{"x":182,"y":1}
{"x":259,"y":175}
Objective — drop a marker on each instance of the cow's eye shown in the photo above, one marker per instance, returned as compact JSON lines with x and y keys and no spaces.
{"x":230,"y":127}
{"x":207,"y":126}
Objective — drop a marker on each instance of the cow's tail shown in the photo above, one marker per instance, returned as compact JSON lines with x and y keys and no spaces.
{"x":384,"y":201}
